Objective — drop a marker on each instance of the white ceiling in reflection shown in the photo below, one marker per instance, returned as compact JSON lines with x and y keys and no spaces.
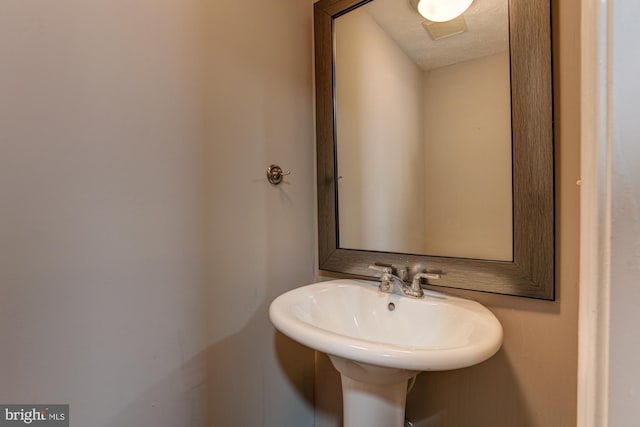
{"x":487,"y":23}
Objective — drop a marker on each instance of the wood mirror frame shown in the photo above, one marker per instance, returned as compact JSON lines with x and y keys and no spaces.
{"x":532,"y":271}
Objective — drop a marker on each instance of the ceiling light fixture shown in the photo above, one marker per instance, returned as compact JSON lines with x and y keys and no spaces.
{"x":442,"y":10}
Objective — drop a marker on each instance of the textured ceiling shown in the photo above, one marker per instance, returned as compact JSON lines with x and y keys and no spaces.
{"x":487,"y":23}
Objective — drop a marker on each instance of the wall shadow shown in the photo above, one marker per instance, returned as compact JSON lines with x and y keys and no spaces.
{"x":254,"y":377}
{"x":487,"y":394}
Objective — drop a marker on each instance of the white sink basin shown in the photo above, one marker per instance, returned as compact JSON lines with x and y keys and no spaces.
{"x":352,"y":319}
{"x":377,"y":341}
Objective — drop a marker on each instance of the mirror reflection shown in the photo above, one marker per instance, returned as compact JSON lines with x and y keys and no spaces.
{"x":423,"y":131}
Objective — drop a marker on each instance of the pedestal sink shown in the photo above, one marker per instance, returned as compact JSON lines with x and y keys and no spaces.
{"x":378,"y":341}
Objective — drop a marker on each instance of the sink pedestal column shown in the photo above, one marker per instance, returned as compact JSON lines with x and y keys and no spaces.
{"x":369,"y":405}
{"x":372,"y":396}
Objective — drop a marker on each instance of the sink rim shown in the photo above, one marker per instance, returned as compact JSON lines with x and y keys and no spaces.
{"x":383,"y":354}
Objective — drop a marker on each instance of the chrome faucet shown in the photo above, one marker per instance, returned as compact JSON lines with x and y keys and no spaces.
{"x":388,"y":279}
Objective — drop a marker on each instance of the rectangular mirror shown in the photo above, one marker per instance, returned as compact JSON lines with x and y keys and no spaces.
{"x":433,"y":103}
{"x":435,"y":143}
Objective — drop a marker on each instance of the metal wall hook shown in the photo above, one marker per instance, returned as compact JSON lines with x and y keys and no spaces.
{"x":275,"y":174}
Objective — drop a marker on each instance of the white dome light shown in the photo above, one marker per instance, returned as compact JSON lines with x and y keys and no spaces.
{"x":442,"y":10}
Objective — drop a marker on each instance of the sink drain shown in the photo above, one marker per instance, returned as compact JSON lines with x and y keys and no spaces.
{"x":391,"y":306}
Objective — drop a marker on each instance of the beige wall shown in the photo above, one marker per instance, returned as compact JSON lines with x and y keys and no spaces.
{"x":531,"y":382}
{"x":467,"y":111}
{"x":261,"y":239}
{"x":140,"y":243}
{"x":379,"y":139}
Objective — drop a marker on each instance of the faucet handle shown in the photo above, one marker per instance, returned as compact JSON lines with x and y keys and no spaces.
{"x":415,"y":285}
{"x":427,"y":276}
{"x":416,"y":288}
{"x":382,"y":269}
